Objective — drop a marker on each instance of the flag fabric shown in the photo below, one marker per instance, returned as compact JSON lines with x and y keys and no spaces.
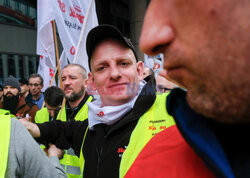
{"x":70,"y":17}
{"x":154,"y":62}
{"x":45,"y":41}
{"x":89,"y":23}
{"x":73,"y":18}
{"x":46,"y":72}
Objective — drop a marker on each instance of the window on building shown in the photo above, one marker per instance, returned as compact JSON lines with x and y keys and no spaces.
{"x":7,"y":3}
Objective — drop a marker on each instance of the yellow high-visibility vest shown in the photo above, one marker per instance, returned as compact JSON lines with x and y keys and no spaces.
{"x":70,"y":161}
{"x":5,"y":128}
{"x":155,"y":120}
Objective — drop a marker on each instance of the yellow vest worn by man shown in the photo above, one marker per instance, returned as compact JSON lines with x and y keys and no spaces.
{"x":69,"y":161}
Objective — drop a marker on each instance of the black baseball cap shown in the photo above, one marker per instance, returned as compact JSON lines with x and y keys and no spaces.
{"x":98,"y":33}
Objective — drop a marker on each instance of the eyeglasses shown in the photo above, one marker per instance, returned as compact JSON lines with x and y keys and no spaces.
{"x":35,"y":84}
{"x":162,"y":89}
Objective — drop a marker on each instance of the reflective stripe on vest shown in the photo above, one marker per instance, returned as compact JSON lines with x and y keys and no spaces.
{"x":5,"y":128}
{"x":155,"y":120}
{"x":82,"y":161}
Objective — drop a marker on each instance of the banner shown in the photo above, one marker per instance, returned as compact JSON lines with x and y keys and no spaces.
{"x":90,"y":22}
{"x":154,"y":62}
{"x":46,"y":72}
{"x":74,"y":19}
{"x":45,"y":41}
{"x":70,"y":17}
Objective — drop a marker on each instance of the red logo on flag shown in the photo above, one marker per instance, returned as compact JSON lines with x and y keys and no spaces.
{"x":74,"y":14}
{"x":101,"y":113}
{"x":61,"y":5}
{"x":72,"y":50}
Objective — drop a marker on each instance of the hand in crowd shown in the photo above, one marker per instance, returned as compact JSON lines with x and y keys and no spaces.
{"x":54,"y":151}
{"x":31,"y":127}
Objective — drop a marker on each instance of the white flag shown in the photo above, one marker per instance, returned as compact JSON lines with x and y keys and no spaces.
{"x":46,"y":72}
{"x":154,"y":62}
{"x":70,"y":16}
{"x":89,"y":23}
{"x":45,"y":41}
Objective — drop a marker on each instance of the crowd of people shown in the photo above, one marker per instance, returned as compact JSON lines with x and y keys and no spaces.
{"x":141,"y":125}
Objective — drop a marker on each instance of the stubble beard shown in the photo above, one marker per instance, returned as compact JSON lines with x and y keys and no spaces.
{"x":75,"y":96}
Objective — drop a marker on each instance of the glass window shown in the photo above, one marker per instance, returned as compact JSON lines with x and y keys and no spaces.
{"x":11,"y":65}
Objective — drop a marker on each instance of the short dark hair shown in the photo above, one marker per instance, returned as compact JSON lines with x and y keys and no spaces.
{"x":24,"y":81}
{"x":53,"y":96}
{"x":83,"y":71}
{"x":35,"y":76}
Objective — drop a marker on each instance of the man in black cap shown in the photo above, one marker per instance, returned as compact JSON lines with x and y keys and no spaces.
{"x":16,"y":104}
{"x":128,"y":125}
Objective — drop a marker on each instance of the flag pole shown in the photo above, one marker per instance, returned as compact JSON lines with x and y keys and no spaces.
{"x":82,"y":31}
{"x":57,"y":55}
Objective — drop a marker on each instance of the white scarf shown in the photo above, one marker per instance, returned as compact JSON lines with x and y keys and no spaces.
{"x":108,"y":114}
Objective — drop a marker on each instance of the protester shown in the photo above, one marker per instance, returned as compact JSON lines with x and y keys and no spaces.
{"x":53,"y":97}
{"x":16,"y":104}
{"x":126,"y":125}
{"x":21,"y":155}
{"x":24,"y":85}
{"x":73,"y":81}
{"x":209,"y":56}
{"x":35,"y":86}
{"x":163,"y":85}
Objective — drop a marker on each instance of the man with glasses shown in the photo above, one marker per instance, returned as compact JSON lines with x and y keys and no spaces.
{"x":163,"y":85}
{"x":35,"y":85}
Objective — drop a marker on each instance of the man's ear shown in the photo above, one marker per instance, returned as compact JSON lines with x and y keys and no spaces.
{"x":140,"y":67}
{"x":90,"y":81}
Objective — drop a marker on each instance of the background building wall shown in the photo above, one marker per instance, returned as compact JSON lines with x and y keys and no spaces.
{"x":17,"y":39}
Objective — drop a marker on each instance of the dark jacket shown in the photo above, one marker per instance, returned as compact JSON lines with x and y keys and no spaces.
{"x":102,"y":143}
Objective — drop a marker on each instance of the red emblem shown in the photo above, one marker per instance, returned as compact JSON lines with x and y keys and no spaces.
{"x":101,"y":113}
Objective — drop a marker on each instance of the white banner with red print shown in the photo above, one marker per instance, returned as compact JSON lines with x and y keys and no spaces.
{"x":46,"y":72}
{"x":70,"y":17}
{"x":154,"y":62}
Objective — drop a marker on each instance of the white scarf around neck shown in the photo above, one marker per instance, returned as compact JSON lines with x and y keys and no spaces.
{"x":108,"y":115}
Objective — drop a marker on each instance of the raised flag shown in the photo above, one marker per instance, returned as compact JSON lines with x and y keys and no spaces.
{"x":70,"y":15}
{"x":45,"y":41}
{"x":154,"y":62}
{"x":89,"y":23}
{"x":46,"y":72}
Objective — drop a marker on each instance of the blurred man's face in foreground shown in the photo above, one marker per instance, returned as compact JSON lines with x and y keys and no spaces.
{"x":206,"y":50}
